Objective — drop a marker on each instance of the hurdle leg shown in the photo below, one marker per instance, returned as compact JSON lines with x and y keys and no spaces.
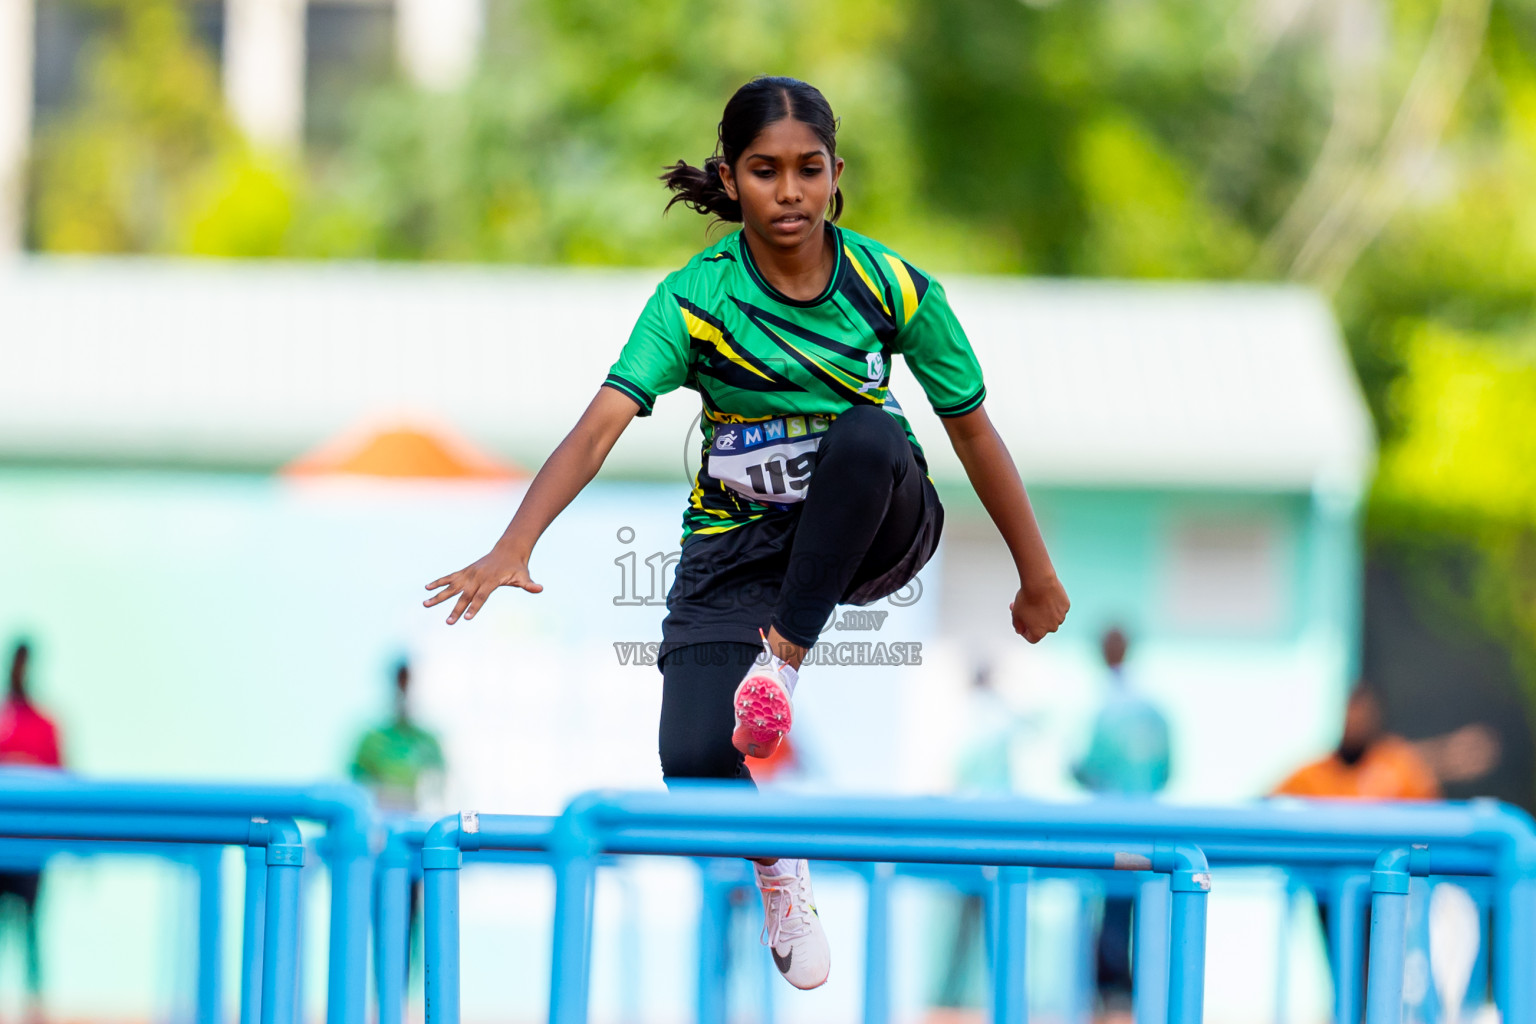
{"x":351,"y":877}
{"x":210,"y":877}
{"x":1514,"y":947}
{"x":280,"y":952}
{"x":717,"y":879}
{"x":575,"y":874}
{"x":1348,"y":956}
{"x":1010,"y":999}
{"x":1283,"y":951}
{"x":392,"y":943}
{"x":1389,"y":938}
{"x":440,"y":863}
{"x":1149,"y":965}
{"x":1190,"y":885}
{"x":254,"y":930}
{"x":877,"y":945}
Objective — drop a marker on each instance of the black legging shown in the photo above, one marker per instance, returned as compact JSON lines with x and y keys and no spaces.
{"x":1114,"y":948}
{"x":860,"y":517}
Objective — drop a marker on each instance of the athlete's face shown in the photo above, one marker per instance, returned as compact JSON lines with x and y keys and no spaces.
{"x":784,"y":181}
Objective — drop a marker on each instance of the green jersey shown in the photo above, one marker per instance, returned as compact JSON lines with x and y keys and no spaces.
{"x":392,"y":760}
{"x":764,"y":362}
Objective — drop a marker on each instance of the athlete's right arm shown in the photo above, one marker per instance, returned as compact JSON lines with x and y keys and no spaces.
{"x":570,"y":468}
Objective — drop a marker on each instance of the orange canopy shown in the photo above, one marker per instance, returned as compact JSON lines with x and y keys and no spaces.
{"x":402,"y":451}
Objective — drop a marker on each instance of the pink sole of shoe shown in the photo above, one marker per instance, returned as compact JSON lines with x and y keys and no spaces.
{"x":763,"y":716}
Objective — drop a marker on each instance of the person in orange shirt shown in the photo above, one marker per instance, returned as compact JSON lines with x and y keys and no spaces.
{"x":1369,"y":763}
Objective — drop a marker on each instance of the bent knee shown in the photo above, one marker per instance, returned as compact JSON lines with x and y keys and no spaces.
{"x":870,"y":430}
{"x":700,"y":758}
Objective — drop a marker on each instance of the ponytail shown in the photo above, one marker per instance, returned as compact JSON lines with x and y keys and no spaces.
{"x":755,"y":106}
{"x":701,"y":189}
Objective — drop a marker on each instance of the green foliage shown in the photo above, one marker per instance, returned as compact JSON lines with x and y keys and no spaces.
{"x":1468,"y":443}
{"x":1142,"y":217}
{"x":240,"y":206}
{"x":116,"y":175}
{"x":1460,"y":471}
{"x":551,"y":153}
{"x":1132,"y":140}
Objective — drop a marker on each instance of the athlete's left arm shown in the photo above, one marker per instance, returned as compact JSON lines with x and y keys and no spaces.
{"x":1041,"y":603}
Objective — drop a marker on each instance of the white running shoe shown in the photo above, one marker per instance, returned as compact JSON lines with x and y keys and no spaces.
{"x":762,"y":702}
{"x":791,"y":927}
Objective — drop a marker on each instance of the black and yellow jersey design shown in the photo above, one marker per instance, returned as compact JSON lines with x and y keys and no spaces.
{"x":752,"y":353}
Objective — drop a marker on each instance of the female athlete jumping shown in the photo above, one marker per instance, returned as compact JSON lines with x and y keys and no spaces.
{"x":812,"y":490}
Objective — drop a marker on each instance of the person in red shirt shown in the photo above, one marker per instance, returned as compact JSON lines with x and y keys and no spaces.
{"x":27,"y":738}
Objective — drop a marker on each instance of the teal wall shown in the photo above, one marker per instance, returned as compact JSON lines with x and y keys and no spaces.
{"x":1249,"y":696}
{"x":1114,"y":545}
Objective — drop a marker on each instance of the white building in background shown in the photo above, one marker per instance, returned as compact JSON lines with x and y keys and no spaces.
{"x":436,"y":43}
{"x":16,"y":41}
{"x":264,"y":69}
{"x":264,"y":58}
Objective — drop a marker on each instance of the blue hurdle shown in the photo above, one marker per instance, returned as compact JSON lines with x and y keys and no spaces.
{"x":1162,"y":851}
{"x":400,"y":859}
{"x":1386,"y":845}
{"x":205,"y":861}
{"x":712,"y":822}
{"x":58,"y":807}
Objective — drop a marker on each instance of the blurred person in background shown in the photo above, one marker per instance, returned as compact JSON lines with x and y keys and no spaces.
{"x":1129,"y":755}
{"x":402,"y":764}
{"x":399,"y":761}
{"x":28,"y":738}
{"x":1369,"y":762}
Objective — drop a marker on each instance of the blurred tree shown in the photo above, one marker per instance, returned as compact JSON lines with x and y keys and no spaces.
{"x":1141,"y":140}
{"x":551,"y":153}
{"x":1441,"y":314}
{"x":117,"y":172}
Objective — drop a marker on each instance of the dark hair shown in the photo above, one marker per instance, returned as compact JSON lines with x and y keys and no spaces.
{"x":22,"y":652}
{"x":763,"y":101}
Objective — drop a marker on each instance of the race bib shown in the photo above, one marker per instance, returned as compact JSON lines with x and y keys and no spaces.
{"x":770,"y":461}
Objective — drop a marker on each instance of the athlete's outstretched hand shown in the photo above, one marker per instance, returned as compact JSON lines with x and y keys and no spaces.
{"x":1039,"y":608}
{"x":474,"y":583}
{"x":572,"y":465}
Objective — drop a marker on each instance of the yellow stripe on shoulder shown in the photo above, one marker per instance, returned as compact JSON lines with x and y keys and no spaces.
{"x":864,"y":276}
{"x":908,"y":288}
{"x":707,"y":332}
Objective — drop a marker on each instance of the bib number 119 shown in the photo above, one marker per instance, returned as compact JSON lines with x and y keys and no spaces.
{"x":777,"y":476}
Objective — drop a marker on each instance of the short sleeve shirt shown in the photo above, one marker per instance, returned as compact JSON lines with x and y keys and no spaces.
{"x":1390,"y":770}
{"x":752,"y":353}
{"x":392,"y":759}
